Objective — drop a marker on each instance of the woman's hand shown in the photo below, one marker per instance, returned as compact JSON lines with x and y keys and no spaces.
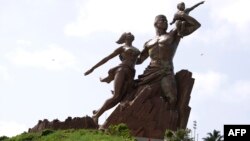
{"x":89,"y":71}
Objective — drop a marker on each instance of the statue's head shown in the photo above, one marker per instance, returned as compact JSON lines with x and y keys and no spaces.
{"x":181,"y":6}
{"x":161,"y":22}
{"x":126,"y":36}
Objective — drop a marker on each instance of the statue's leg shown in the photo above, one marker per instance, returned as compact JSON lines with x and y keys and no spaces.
{"x":169,"y":89}
{"x":110,"y":77}
{"x":107,"y":79}
{"x":116,"y":98}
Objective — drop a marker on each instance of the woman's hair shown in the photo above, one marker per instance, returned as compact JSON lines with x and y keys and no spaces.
{"x":122,"y":39}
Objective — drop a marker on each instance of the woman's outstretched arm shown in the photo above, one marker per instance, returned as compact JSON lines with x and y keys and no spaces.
{"x":104,"y":60}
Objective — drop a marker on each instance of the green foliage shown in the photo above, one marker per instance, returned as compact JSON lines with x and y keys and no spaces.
{"x":69,"y":135}
{"x":120,"y":130}
{"x":47,"y":132}
{"x":24,"y":137}
{"x":214,"y":136}
{"x":179,"y":135}
{"x":3,"y":138}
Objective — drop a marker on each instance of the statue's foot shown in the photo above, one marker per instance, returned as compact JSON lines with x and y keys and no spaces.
{"x":94,"y":117}
{"x":101,"y":128}
{"x":94,"y":112}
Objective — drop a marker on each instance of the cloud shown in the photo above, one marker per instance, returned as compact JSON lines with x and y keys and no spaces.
{"x":137,"y":16}
{"x":235,"y":12}
{"x":116,"y":16}
{"x":219,"y":86}
{"x":226,"y":20}
{"x":51,"y":58}
{"x":11,"y":128}
{"x":4,"y":73}
{"x":24,"y":42}
{"x":221,"y":22}
{"x":208,"y":83}
{"x":237,"y":93}
{"x":218,"y":100}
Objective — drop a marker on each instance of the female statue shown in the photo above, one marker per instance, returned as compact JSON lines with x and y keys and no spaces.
{"x":123,"y":74}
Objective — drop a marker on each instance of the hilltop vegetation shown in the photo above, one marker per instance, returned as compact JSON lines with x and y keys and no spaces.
{"x":114,"y":133}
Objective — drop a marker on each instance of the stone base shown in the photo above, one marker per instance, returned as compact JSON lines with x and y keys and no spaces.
{"x":70,"y":123}
{"x":148,"y":115}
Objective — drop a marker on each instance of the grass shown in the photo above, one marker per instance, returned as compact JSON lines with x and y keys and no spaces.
{"x":69,"y":135}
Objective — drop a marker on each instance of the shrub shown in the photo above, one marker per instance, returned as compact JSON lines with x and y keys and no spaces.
{"x":179,"y":135}
{"x":47,"y":132}
{"x":119,"y":130}
{"x":2,"y":138}
{"x":25,"y":137}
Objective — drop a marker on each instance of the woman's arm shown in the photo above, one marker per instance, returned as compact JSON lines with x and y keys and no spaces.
{"x":104,"y":60}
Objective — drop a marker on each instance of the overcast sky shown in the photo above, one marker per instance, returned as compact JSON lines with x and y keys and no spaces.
{"x":46,"y":45}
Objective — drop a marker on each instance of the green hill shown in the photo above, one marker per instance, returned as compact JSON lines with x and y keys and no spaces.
{"x":72,"y":135}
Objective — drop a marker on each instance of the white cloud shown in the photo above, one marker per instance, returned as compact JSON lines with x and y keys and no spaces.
{"x":24,"y":42}
{"x":234,"y":12}
{"x":4,"y":74}
{"x":222,"y":21}
{"x":52,"y":58}
{"x":10,"y":128}
{"x":218,"y":100}
{"x":237,"y":93}
{"x":219,"y":86}
{"x":117,"y":16}
{"x":223,"y":18}
{"x":137,"y":16}
{"x":208,"y":83}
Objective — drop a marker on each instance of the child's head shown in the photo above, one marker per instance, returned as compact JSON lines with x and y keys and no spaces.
{"x":181,"y":6}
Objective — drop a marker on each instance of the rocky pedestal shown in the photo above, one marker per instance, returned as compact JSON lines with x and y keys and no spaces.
{"x":148,"y":115}
{"x":70,"y":123}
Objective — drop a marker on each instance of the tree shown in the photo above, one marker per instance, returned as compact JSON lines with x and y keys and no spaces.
{"x":179,"y":135}
{"x":215,"y":136}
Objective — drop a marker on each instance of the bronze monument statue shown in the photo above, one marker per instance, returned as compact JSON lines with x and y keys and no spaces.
{"x":180,"y":22}
{"x":159,"y":98}
{"x":123,"y":74}
{"x":161,"y":50}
